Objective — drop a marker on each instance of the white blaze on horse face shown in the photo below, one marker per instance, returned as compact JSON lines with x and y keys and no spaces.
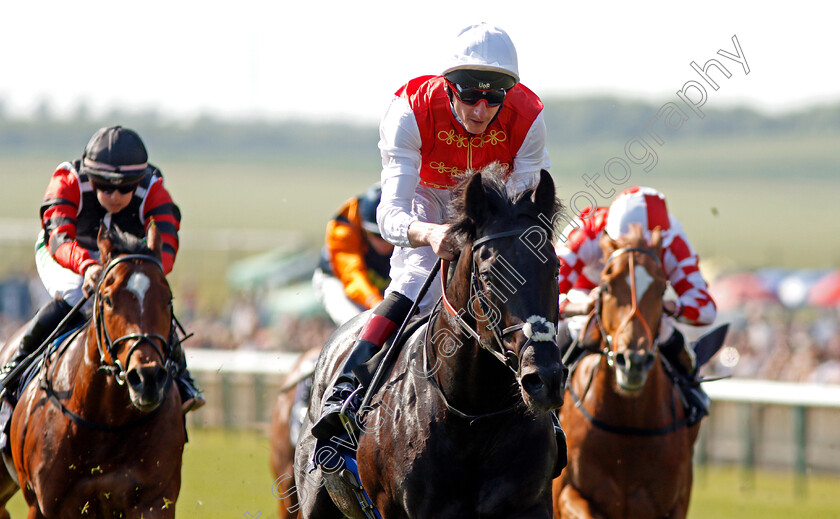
{"x":139,"y":284}
{"x":643,"y":281}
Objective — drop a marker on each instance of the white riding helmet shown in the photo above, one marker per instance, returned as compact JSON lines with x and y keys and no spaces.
{"x":483,"y":47}
{"x":637,"y":205}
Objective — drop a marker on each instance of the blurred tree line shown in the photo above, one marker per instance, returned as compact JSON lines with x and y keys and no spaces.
{"x":569,"y":122}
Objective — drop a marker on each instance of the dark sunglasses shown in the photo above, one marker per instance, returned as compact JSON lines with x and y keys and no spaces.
{"x":471,"y":96}
{"x":110,"y":188}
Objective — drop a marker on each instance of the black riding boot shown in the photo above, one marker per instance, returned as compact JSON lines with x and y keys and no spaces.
{"x":38,"y":329}
{"x":191,"y":397}
{"x":677,"y":352}
{"x":381,"y":324}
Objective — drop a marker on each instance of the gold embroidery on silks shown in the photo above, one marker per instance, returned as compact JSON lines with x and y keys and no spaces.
{"x":443,"y":169}
{"x":451,"y":137}
{"x":495,"y":137}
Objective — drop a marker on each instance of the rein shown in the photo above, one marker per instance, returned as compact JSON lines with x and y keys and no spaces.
{"x":634,"y":311}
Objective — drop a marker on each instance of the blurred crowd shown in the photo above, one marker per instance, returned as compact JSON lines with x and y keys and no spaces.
{"x":766,"y":339}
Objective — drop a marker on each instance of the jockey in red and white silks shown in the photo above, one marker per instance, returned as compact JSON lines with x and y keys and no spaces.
{"x":581,"y":258}
{"x":425,"y":144}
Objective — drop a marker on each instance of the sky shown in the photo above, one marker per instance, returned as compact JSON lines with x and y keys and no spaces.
{"x":331,"y":60}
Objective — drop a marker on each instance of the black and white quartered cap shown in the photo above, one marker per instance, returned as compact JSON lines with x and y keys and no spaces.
{"x":115,"y":155}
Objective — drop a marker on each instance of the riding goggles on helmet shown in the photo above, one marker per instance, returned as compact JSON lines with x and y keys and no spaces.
{"x":471,"y":96}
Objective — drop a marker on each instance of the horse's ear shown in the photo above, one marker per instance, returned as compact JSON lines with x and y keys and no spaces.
{"x":545,"y":196}
{"x":608,"y":245}
{"x":656,"y":238}
{"x":103,"y":241}
{"x":475,"y":200}
{"x":154,"y":239}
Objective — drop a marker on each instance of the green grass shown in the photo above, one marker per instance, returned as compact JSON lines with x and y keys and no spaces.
{"x":226,"y":474}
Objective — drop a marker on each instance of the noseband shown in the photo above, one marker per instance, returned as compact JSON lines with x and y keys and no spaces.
{"x":102,"y":336}
{"x":634,"y":311}
{"x":536,"y":329}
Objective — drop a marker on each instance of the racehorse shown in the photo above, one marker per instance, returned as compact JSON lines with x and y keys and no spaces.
{"x":629,"y":443}
{"x":100,"y":433}
{"x":461,"y":426}
{"x":283,"y":430}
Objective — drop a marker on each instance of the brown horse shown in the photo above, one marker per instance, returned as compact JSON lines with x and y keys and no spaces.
{"x":461,"y":427}
{"x":630,"y":446}
{"x":284,"y":430}
{"x":100,"y":432}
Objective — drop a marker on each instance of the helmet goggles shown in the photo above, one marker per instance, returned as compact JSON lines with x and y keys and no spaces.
{"x":471,"y":96}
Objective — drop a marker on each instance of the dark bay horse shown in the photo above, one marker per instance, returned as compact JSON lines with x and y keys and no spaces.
{"x":283,"y":434}
{"x":461,"y":427}
{"x":100,"y":433}
{"x":629,"y":446}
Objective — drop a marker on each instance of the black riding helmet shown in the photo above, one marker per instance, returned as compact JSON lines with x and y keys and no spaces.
{"x":116,"y":156}
{"x":368,"y":203}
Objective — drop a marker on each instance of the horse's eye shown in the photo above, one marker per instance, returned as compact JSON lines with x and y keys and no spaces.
{"x":107,"y":301}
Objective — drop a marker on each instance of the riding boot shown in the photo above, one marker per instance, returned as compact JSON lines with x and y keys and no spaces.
{"x":381,"y":324}
{"x":38,"y":329}
{"x":191,"y":397}
{"x":681,"y":357}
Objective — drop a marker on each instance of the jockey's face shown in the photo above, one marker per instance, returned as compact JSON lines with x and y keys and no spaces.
{"x":475,"y":117}
{"x":114,"y":202}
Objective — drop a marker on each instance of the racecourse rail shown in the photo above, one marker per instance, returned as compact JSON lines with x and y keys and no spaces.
{"x":753,"y":423}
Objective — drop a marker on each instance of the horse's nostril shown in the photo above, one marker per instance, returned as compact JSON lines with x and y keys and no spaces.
{"x":133,"y":378}
{"x":532,"y":383}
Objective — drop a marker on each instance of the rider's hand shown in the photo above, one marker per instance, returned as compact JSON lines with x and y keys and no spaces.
{"x":434,"y":235}
{"x":582,"y":307}
{"x":91,"y":277}
{"x":672,"y":308}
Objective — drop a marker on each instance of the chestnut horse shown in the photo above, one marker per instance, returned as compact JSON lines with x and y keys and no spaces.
{"x":283,"y":430}
{"x":629,"y":443}
{"x":462,"y":425}
{"x":85,"y":443}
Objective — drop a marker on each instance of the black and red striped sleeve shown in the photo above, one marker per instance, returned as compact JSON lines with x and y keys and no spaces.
{"x":59,"y":211}
{"x":160,"y":207}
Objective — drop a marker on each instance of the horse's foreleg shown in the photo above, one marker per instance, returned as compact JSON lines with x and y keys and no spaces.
{"x":35,"y":513}
{"x":572,"y":505}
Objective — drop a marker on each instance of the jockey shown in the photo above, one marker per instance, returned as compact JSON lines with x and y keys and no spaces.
{"x":114,"y":184}
{"x":581,"y":263}
{"x":436,"y":128}
{"x":355,"y":261}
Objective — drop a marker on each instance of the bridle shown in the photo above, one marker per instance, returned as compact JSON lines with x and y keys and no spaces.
{"x":115,"y":367}
{"x":536,"y":330}
{"x":104,"y":343}
{"x":539,"y":330}
{"x":634,"y":313}
{"x":610,"y":354}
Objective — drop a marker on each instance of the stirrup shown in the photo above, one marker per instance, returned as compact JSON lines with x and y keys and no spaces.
{"x":347,"y":415}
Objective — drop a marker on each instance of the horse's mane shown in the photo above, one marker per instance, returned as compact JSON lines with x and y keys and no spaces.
{"x":126,"y":243}
{"x":500,"y":203}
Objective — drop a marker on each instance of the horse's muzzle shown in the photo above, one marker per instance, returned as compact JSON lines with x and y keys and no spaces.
{"x":543,"y":387}
{"x":146,"y":386}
